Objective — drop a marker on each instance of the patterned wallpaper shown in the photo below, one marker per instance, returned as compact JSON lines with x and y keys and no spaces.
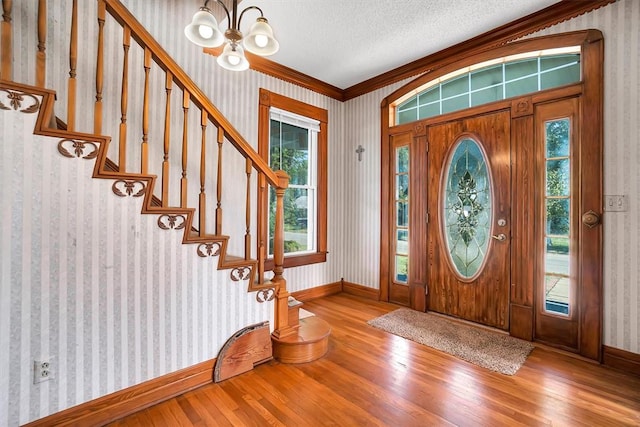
{"x":91,"y":283}
{"x":620,"y":25}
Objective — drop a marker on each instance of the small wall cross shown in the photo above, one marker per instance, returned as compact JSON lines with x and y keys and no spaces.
{"x":360,"y":150}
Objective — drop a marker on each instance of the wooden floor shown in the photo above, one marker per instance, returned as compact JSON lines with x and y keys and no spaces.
{"x":370,"y":377}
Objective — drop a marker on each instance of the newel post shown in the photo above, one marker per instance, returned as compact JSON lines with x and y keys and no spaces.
{"x":282,"y":328}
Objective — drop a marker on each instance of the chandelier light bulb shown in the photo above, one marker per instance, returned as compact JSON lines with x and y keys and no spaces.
{"x":233,"y":59}
{"x":261,"y":40}
{"x":205,"y":31}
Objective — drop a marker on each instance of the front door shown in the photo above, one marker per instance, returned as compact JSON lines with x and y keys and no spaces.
{"x":469,"y":218}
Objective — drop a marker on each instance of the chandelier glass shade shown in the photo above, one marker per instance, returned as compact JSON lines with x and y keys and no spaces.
{"x":204,"y":31}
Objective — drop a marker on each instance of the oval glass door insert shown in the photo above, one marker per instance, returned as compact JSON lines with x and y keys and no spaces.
{"x":467,"y":208}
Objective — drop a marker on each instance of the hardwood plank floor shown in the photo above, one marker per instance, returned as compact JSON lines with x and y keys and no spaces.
{"x":372,"y":378}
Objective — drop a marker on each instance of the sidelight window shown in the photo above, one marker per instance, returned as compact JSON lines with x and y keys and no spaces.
{"x":401,"y":270}
{"x":557,"y":216}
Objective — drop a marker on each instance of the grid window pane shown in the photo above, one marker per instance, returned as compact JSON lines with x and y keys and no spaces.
{"x":402,"y":214}
{"x":454,"y":104}
{"x":547,"y":63}
{"x":455,"y":87}
{"x":558,"y":217}
{"x":408,"y":116}
{"x":410,"y":103}
{"x":429,"y":110}
{"x":486,"y":96}
{"x":402,"y":242}
{"x":429,"y":96}
{"x":522,"y":86}
{"x":557,"y":134}
{"x":515,"y":70}
{"x":402,"y":268}
{"x":486,"y":77}
{"x":402,"y":159}
{"x":402,"y":187}
{"x":560,"y":77}
{"x":558,"y":177}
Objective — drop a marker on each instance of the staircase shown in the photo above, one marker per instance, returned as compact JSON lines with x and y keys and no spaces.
{"x":161,"y":172}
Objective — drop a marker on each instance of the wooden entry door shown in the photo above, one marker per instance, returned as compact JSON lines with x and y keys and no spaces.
{"x":469,"y":218}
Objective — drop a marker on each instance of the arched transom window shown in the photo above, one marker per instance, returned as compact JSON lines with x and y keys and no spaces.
{"x":491,"y":81}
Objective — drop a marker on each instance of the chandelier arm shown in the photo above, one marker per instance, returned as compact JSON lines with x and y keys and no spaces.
{"x":223,"y":6}
{"x":249,"y":8}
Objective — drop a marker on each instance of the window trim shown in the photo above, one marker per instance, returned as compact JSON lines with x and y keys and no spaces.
{"x":267,"y":100}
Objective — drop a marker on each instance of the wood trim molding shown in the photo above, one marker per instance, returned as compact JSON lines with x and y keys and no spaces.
{"x":513,"y":30}
{"x":621,"y":360}
{"x":268,"y":99}
{"x":273,"y":69}
{"x":132,"y":399}
{"x":318,"y":292}
{"x":361,"y":291}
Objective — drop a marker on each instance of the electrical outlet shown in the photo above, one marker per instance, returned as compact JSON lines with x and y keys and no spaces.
{"x":615,"y":203}
{"x":42,"y":371}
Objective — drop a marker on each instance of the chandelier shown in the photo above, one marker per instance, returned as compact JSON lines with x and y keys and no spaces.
{"x":203,"y":31}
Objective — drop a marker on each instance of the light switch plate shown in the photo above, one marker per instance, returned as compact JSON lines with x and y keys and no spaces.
{"x":615,"y":203}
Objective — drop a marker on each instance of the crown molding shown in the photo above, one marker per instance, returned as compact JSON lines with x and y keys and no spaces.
{"x":273,"y":69}
{"x":513,"y":30}
{"x":549,"y":16}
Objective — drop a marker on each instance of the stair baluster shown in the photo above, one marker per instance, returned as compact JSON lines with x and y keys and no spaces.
{"x":97,"y":114}
{"x":73,"y":62}
{"x":186,"y":100}
{"x":6,"y":69}
{"x":124,"y":100}
{"x":219,"y":182}
{"x":202,"y":210}
{"x":247,"y":236}
{"x":167,"y":139}
{"x":41,"y":56}
{"x":144,"y":159}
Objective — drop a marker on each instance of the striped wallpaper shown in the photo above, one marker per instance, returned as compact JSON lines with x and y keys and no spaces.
{"x":114,"y":301}
{"x":620,"y":25}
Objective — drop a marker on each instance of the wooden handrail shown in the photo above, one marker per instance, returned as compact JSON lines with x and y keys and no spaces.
{"x":182,"y":80}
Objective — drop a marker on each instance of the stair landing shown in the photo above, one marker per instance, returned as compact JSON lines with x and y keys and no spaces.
{"x":311,"y":342}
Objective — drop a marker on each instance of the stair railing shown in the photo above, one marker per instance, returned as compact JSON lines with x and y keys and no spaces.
{"x":198,"y":227}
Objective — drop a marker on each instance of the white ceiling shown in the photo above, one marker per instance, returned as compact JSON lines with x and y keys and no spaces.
{"x":344,"y":42}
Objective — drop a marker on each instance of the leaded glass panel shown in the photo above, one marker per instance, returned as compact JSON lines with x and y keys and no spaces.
{"x":467,"y":208}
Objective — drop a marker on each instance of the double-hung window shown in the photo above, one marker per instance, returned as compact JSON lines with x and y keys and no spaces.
{"x":293,"y":142}
{"x":292,"y":136}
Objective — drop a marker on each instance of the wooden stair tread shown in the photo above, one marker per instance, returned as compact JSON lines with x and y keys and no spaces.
{"x":310,"y":342}
{"x":312,"y":329}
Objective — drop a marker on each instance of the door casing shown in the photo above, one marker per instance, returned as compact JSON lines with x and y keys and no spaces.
{"x":522,"y":287}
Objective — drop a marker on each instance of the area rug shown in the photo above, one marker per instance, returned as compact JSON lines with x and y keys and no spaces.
{"x":489,"y":349}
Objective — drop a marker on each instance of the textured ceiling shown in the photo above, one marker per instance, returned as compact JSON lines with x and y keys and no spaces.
{"x":344,"y":42}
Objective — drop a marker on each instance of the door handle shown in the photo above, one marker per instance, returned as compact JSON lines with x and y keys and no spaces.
{"x":590,"y":219}
{"x":499,"y":237}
